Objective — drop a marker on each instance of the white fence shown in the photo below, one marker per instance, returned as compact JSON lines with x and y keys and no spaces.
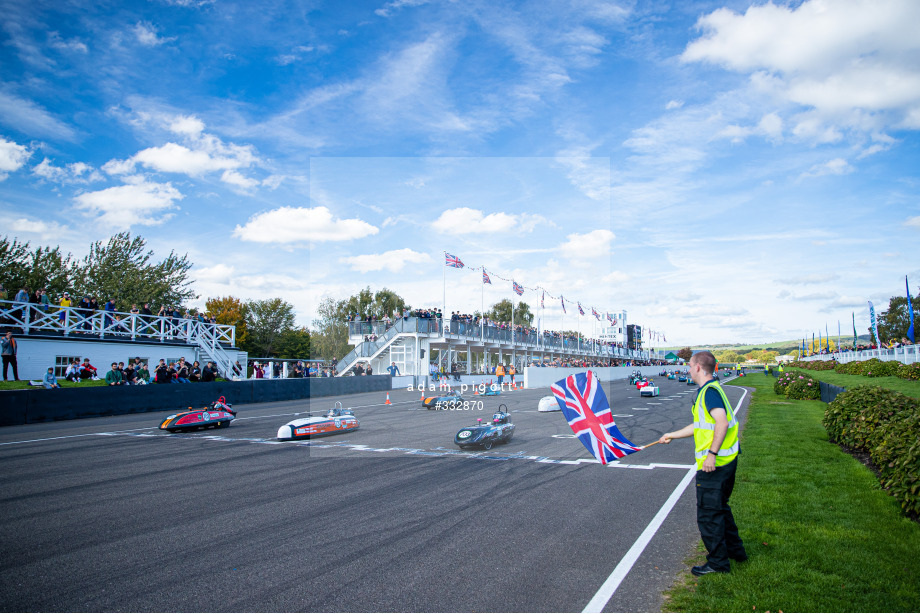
{"x":907,"y":354}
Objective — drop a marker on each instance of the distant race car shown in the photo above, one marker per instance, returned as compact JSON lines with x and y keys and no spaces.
{"x":690,"y":382}
{"x":485,"y":435}
{"x":649,"y":391}
{"x":492,"y":390}
{"x":642,"y":384}
{"x":450,"y":400}
{"x":671,"y":376}
{"x":337,"y":420}
{"x":548,"y":403}
{"x":663,"y":374}
{"x":218,"y":414}
{"x":682,"y":378}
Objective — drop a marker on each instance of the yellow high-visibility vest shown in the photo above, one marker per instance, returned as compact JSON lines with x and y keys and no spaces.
{"x":704,"y":427}
{"x":500,"y":370}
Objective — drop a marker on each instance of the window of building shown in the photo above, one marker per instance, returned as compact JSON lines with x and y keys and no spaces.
{"x":61,"y":363}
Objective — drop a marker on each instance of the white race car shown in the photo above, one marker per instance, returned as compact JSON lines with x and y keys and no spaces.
{"x":648,"y":391}
{"x":336,"y":420}
{"x":549,"y":404}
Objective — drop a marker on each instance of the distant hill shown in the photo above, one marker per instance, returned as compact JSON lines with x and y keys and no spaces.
{"x":783,"y":347}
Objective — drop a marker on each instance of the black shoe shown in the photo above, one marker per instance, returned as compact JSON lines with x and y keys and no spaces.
{"x":739,"y":559}
{"x":702,"y":570}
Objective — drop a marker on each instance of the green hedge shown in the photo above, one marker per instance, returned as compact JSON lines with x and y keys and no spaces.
{"x":886,"y":424}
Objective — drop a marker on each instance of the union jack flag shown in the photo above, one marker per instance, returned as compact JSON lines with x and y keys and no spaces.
{"x":542,"y":297}
{"x":452,"y":261}
{"x":580,"y":310}
{"x":595,"y":314}
{"x":609,"y":317}
{"x":562,"y":298}
{"x":517,"y":287}
{"x":485,"y":277}
{"x":587,"y":411}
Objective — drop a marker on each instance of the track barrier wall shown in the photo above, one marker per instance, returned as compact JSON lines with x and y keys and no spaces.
{"x":41,"y":405}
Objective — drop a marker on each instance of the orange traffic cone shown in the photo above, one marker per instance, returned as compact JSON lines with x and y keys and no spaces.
{"x":388,"y":399}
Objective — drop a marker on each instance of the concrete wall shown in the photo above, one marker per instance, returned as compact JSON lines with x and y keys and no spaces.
{"x":40,"y":405}
{"x":543,"y":377}
{"x":35,"y":355}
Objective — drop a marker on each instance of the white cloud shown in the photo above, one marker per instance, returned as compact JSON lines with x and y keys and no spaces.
{"x":146,"y":34}
{"x":837,"y":166}
{"x":187,"y":125}
{"x":815,"y":278}
{"x":464,"y":220}
{"x":240,"y":181}
{"x":394,"y":260}
{"x":301,"y":225}
{"x":143,"y":203}
{"x":217,"y":274}
{"x":26,"y":226}
{"x":71,"y":45}
{"x":590,"y":246}
{"x":853,"y":62}
{"x":76,"y":172}
{"x":31,"y":119}
{"x":12,"y":157}
{"x":387,"y":9}
{"x":674,"y":104}
{"x":913,"y":221}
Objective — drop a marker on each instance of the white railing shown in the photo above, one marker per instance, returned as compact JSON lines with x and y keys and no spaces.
{"x":74,"y":322}
{"x":34,"y":318}
{"x":906,"y":354}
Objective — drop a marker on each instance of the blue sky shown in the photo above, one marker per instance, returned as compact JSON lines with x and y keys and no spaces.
{"x":723,"y":171}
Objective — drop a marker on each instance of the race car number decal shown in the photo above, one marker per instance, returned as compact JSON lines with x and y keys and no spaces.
{"x":464,"y":434}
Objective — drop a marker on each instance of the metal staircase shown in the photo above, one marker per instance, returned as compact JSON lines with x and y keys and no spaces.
{"x":368,"y":350}
{"x":209,"y":348}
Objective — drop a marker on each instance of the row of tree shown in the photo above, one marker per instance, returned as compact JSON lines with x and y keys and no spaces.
{"x":122,"y":268}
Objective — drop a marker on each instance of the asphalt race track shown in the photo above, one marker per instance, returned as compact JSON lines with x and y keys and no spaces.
{"x":112,"y":514}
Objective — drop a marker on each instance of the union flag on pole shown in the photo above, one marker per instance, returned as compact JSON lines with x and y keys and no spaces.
{"x":518,"y":288}
{"x":542,"y":297}
{"x":485,"y":277}
{"x":595,"y":314}
{"x":587,"y":411}
{"x":562,"y":298}
{"x":580,"y":310}
{"x":452,"y":261}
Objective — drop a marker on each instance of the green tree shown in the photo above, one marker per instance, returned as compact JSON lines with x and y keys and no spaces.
{"x":266,"y":321}
{"x":329,"y":337}
{"x":501,"y":312}
{"x":45,"y":267}
{"x":330,"y":333}
{"x":294,"y":343}
{"x":123,"y":270}
{"x":894,"y":321}
{"x":232,"y":311}
{"x":729,"y":356}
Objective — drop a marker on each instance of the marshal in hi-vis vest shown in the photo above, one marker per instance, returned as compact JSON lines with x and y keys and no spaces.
{"x":704,"y":427}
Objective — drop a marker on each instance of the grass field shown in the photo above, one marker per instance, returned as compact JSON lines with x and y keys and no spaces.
{"x":820,"y":534}
{"x":23,"y":384}
{"x":904,"y":386}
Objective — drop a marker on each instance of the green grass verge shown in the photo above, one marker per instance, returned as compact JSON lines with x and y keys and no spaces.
{"x":904,"y":386}
{"x":821,"y":535}
{"x":23,"y":384}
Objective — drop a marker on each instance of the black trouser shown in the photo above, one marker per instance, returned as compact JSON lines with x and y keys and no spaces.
{"x":714,"y":516}
{"x":10,"y":359}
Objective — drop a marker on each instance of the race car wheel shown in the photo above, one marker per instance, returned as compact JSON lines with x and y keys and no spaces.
{"x":487,"y":445}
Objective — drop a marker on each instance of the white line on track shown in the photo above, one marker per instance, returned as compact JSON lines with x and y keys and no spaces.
{"x":619,"y":573}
